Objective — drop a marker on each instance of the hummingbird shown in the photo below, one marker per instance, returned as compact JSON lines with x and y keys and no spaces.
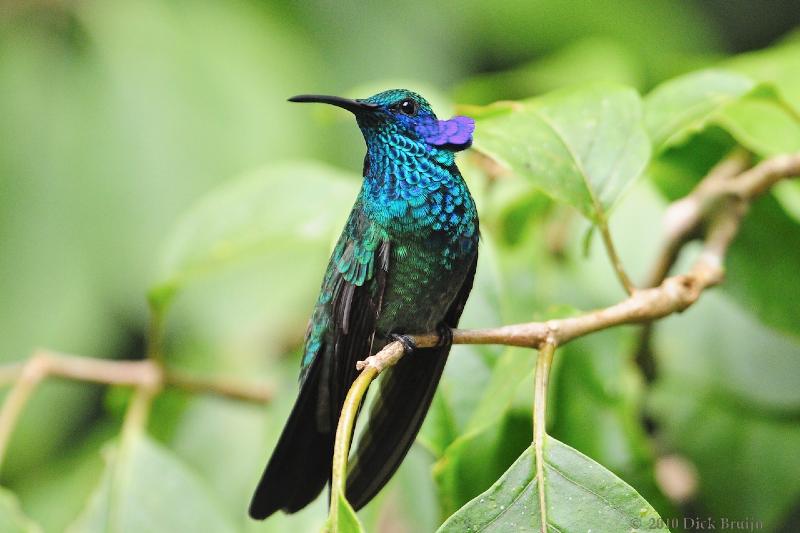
{"x":404,"y":264}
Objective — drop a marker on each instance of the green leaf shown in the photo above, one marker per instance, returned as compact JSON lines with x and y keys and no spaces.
{"x":762,"y":266}
{"x":763,"y":123}
{"x":513,"y":368}
{"x":683,"y":106}
{"x":12,"y":519}
{"x":583,"y":146}
{"x":778,"y":66}
{"x":439,"y":428}
{"x":788,"y":195}
{"x":55,"y":496}
{"x":280,"y":204}
{"x":346,"y":519}
{"x":146,"y":488}
{"x":580,"y":495}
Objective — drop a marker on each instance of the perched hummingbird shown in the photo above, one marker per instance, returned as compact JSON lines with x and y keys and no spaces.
{"x":403,"y":264}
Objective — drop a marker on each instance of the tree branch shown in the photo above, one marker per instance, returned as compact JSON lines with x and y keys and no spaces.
{"x":147,"y":376}
{"x":229,"y":388}
{"x":670,"y":295}
{"x":683,"y":217}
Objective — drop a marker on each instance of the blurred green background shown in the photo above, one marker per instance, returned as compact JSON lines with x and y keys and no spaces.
{"x":117,"y":117}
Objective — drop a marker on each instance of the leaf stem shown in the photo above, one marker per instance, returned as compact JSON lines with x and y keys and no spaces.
{"x":543,"y":364}
{"x":344,"y":433}
{"x":616,"y":262}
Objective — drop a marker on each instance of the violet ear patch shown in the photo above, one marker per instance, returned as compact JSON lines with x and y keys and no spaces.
{"x":457,"y":131}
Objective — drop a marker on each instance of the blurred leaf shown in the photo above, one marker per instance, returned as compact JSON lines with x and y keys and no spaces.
{"x":12,"y":519}
{"x":580,"y":495}
{"x":583,"y":147}
{"x":656,"y":31}
{"x":251,"y":215}
{"x":762,"y":266}
{"x":411,"y":502}
{"x":778,"y":65}
{"x":762,"y":123}
{"x":56,"y":495}
{"x":146,"y":489}
{"x":718,"y":346}
{"x":680,"y":107}
{"x":788,"y":195}
{"x":590,"y":60}
{"x":679,"y":168}
{"x":514,"y":367}
{"x":475,"y":460}
{"x":439,"y":428}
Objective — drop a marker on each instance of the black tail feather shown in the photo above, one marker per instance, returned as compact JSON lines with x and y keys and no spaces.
{"x":405,"y":395}
{"x":300,"y":466}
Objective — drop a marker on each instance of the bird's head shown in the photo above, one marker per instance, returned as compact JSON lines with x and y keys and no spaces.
{"x":399,"y":113}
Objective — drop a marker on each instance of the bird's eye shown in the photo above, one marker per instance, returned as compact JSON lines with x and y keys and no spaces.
{"x":407,"y":107}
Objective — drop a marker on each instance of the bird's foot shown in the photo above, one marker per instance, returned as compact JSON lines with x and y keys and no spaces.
{"x":408,"y":343}
{"x":445,"y":335}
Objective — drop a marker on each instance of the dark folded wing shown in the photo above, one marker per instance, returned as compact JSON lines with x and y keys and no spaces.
{"x":399,"y":410}
{"x":341,"y":332}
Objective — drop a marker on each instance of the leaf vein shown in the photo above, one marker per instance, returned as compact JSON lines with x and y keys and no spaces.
{"x":587,"y":489}
{"x":584,"y":177}
{"x":504,"y":511}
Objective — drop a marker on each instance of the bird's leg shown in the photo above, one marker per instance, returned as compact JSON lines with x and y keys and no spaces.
{"x":408,"y":343}
{"x":445,"y":335}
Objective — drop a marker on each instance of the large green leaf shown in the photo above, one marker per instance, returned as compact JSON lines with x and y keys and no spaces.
{"x":583,"y":146}
{"x":680,"y":107}
{"x":277,"y":205}
{"x":147,"y":489}
{"x":580,"y":495}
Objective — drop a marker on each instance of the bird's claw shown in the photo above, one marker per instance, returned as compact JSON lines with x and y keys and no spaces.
{"x":408,"y":343}
{"x":445,"y":333}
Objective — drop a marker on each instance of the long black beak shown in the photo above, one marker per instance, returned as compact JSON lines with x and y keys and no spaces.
{"x":354,"y":106}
